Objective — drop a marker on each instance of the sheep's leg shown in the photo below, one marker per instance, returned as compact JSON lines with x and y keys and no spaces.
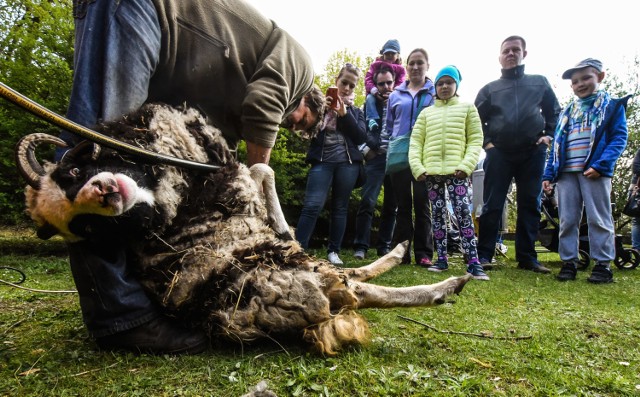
{"x":263,"y":175}
{"x":370,"y":295}
{"x":383,"y":264}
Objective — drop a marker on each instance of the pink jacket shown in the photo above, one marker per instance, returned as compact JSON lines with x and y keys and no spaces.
{"x":375,"y":65}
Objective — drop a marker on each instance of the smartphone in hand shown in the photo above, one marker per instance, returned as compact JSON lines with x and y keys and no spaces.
{"x":333,"y":93}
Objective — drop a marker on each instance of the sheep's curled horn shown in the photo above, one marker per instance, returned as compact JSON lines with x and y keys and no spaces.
{"x":28,"y":165}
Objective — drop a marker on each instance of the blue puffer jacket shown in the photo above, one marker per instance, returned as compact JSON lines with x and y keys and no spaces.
{"x":607,"y":143}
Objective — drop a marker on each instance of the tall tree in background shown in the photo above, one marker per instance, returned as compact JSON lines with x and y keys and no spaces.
{"x":36,"y":58}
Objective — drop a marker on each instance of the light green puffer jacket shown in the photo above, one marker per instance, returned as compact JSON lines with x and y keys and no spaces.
{"x":446,"y":137}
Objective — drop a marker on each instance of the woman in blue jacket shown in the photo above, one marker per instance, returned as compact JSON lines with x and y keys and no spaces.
{"x":404,"y":105}
{"x":335,"y":163}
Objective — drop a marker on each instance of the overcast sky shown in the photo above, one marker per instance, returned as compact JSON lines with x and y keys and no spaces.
{"x":559,"y":33}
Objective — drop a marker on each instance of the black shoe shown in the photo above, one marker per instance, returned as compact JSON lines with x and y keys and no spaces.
{"x":158,"y":336}
{"x":535,"y":267}
{"x":486,"y":264}
{"x":383,"y":251}
{"x":567,"y":272}
{"x":601,"y":274}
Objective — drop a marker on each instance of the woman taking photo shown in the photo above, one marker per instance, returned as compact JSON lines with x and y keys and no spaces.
{"x":335,"y":163}
{"x":404,"y":105}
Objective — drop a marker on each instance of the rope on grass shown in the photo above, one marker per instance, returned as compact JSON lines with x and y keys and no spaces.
{"x":482,"y":335}
{"x":24,"y":277}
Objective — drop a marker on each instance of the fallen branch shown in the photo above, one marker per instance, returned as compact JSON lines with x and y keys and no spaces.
{"x":482,"y":335}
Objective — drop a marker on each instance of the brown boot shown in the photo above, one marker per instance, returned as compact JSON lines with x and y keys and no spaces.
{"x":158,"y":336}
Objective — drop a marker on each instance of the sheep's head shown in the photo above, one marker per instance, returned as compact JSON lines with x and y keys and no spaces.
{"x":59,"y":193}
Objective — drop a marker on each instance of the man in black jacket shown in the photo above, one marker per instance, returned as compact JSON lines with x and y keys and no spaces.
{"x":519,"y":113}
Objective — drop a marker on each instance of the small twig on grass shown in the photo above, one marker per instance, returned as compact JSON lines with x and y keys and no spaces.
{"x":466,"y":333}
{"x":89,"y":371}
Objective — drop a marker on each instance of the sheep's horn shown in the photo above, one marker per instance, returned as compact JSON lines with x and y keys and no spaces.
{"x":28,"y":165}
{"x":83,"y":147}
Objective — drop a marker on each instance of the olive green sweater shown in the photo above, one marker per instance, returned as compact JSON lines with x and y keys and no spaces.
{"x":233,"y":64}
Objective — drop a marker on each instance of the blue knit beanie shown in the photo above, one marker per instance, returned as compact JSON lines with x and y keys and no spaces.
{"x":450,"y":71}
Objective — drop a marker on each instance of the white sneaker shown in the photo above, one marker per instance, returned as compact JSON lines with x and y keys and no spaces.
{"x":334,"y":258}
{"x":501,"y":248}
{"x":359,"y":254}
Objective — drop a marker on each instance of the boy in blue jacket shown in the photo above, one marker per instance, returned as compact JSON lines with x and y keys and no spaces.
{"x":590,"y":136}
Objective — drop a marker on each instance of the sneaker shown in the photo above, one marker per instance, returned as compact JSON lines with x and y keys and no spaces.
{"x":501,"y":249}
{"x":486,"y":264}
{"x":158,"y":336}
{"x":424,"y":262}
{"x":359,"y":254}
{"x":476,"y":271}
{"x":567,"y":272}
{"x":439,"y":266}
{"x":334,"y":258}
{"x":383,"y":251}
{"x":601,"y":274}
{"x":534,"y":266}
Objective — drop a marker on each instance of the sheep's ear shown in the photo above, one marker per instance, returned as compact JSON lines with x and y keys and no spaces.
{"x":46,"y":231}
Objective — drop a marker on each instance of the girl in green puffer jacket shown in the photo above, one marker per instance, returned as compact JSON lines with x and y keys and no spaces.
{"x":445,"y":145}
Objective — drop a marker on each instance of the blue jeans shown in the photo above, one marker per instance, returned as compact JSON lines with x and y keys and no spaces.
{"x":500,"y":168}
{"x":411,"y":196}
{"x":370,"y":191}
{"x":635,"y":232}
{"x":117,"y":47}
{"x":371,"y":108}
{"x":116,"y":50}
{"x":340,"y":178}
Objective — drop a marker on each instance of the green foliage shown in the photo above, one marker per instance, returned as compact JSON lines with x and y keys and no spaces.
{"x":36,"y":57}
{"x":618,"y":87}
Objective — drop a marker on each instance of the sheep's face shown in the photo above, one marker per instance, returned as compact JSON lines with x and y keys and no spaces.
{"x":76,"y":187}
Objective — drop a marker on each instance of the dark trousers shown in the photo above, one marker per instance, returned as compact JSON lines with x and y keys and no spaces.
{"x":411,"y":196}
{"x":499,"y":169}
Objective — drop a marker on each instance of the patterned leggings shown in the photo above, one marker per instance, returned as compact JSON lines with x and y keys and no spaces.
{"x":458,"y":190}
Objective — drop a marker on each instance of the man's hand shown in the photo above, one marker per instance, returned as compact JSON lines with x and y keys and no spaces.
{"x":547,"y":187}
{"x":257,"y":154}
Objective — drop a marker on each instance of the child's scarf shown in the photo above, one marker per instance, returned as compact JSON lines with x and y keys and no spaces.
{"x":575,"y":111}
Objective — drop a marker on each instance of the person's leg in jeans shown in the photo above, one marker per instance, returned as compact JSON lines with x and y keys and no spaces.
{"x":497,"y":178}
{"x":635,"y":233}
{"x":117,"y":44}
{"x":370,"y":192}
{"x":423,"y":235}
{"x":319,"y":181}
{"x":117,"y":47}
{"x":528,"y":179}
{"x":371,"y":110}
{"x":387,"y":218}
{"x":345,"y":176}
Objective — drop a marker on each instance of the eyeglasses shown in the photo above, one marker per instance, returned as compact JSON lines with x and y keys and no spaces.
{"x":383,"y":83}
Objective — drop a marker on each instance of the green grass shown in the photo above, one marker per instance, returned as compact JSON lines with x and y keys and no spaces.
{"x":583,"y":341}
